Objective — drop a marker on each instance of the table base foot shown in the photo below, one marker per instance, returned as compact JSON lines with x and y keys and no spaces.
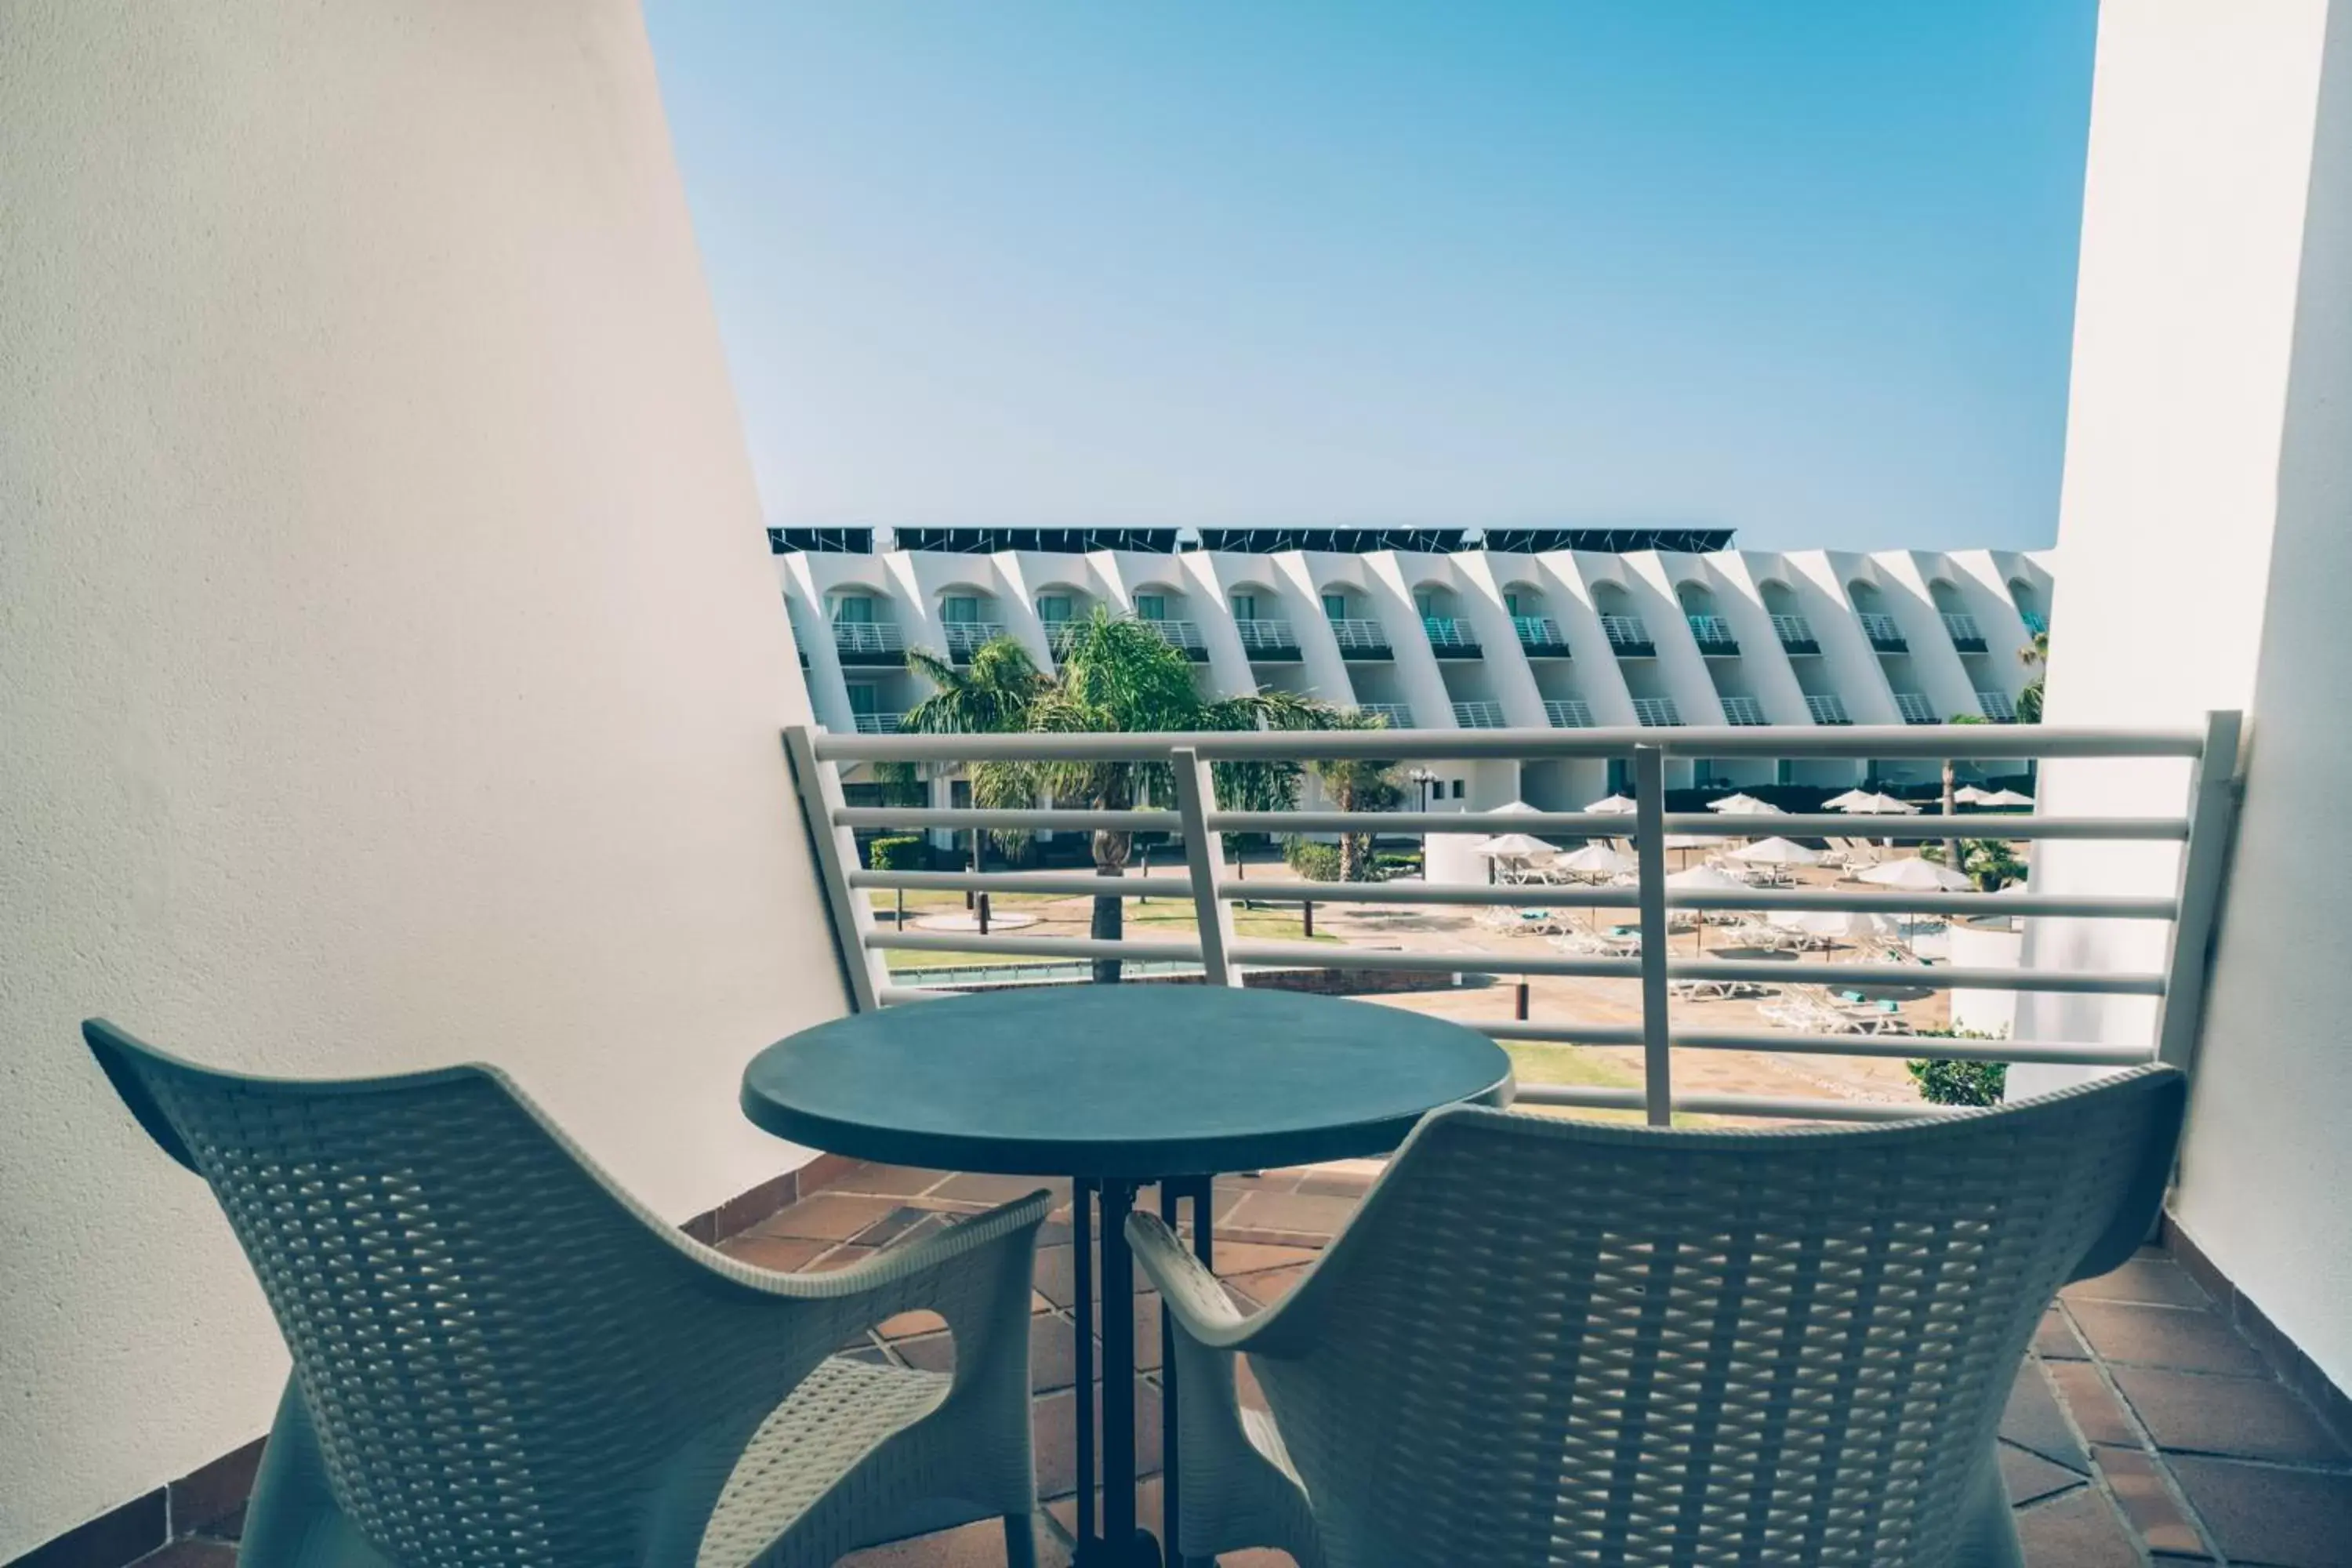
{"x":1140,"y":1551}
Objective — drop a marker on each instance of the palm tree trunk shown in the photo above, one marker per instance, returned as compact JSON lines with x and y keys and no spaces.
{"x":1110,"y":910}
{"x":1951,"y":845}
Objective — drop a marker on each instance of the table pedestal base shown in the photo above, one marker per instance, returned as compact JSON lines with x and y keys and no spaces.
{"x":1115,"y":1540}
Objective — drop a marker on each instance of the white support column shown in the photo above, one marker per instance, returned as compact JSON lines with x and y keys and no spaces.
{"x":1204,"y":860}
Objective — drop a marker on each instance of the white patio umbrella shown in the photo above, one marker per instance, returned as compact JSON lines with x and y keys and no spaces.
{"x":1511,"y":847}
{"x":1862,"y":804}
{"x":1705,"y":877}
{"x":1917,"y":876}
{"x":1595,"y":860}
{"x":1846,"y":802}
{"x":1969,"y":795}
{"x":1512,"y":808}
{"x":2006,"y":797}
{"x":1611,"y":805}
{"x":1778,"y":852}
{"x":1744,"y":805}
{"x":1850,"y":925}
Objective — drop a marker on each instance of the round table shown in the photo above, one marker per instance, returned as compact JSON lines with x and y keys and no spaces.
{"x":1116,"y":1087}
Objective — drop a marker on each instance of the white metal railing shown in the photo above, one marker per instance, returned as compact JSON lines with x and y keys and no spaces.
{"x":1882,"y":631}
{"x":1058,"y":635}
{"x":1915,"y":709}
{"x":1447,"y":632}
{"x":1185,"y":635}
{"x":1714,"y":633}
{"x":1657,"y":711}
{"x":1398,"y":714}
{"x":1540,"y":634}
{"x":1795,"y":633}
{"x":1266,"y":637}
{"x":1827,"y":710}
{"x":1479,"y":715}
{"x":2038,"y":624}
{"x":1743,"y":712}
{"x":1361,"y":636}
{"x":879,"y":723}
{"x":1567,"y":713}
{"x":1626,"y":634}
{"x":1997,"y":706}
{"x":1963,"y":630}
{"x":1208,"y":881}
{"x":868,"y":637}
{"x":965,"y":637}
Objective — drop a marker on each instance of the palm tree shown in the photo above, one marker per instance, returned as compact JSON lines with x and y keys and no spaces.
{"x":1117,"y":675}
{"x":1951,"y":806}
{"x":1357,"y":784}
{"x":2035,"y":656}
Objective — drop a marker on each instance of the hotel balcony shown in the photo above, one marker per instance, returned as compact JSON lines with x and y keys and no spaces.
{"x":1449,"y":637}
{"x":1540,"y":636}
{"x":1998,"y":706}
{"x":1965,"y":634}
{"x":1713,"y":635}
{"x":1744,"y":712}
{"x":1915,"y":709}
{"x":1628,"y":636}
{"x":1568,"y":714}
{"x":878,"y":723}
{"x":1399,"y":715}
{"x":1479,"y":715}
{"x":1884,"y":634}
{"x":1362,"y":638}
{"x":1182,"y":636}
{"x":1268,"y":642}
{"x":1657,"y":711}
{"x":868,"y":643}
{"x":1796,"y":634}
{"x":1827,"y":710}
{"x":965,"y":638}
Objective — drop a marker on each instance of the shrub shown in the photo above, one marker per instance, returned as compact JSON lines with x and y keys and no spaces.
{"x":1395,"y":863}
{"x":1943,"y":1081}
{"x":899,"y":852}
{"x":1315,"y":862}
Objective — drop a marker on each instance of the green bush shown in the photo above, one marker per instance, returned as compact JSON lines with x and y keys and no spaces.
{"x":1943,"y":1081}
{"x":1395,"y":863}
{"x":899,"y":852}
{"x":1315,"y":862}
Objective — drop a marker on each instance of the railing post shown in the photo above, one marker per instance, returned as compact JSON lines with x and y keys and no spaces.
{"x":819,"y":785}
{"x":1204,"y":858}
{"x":1650,"y":852}
{"x":2212,"y":811}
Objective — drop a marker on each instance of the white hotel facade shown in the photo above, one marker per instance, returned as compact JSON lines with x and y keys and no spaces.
{"x":1443,"y":629}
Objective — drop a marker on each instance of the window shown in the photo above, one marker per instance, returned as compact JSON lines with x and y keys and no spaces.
{"x":861,"y":697}
{"x":1457,"y":789}
{"x":853,"y":610}
{"x":1245,"y":607}
{"x":1511,"y":602}
{"x":1335,"y":606}
{"x":959,"y":609}
{"x":1151,"y":607}
{"x":1053,"y":607}
{"x":1424,"y":601}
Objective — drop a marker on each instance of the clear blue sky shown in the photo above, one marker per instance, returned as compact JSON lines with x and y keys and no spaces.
{"x":1805,"y":269}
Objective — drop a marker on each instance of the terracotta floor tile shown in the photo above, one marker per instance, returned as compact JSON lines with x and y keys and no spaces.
{"x":2164,"y":1336}
{"x":1054,"y":1421}
{"x":2077,"y":1530}
{"x":2027,"y":1478}
{"x":2055,"y":1338}
{"x":993,"y":1189}
{"x":2242,"y":1418}
{"x":1270,"y":1286}
{"x":1146,"y":1328}
{"x":2092,"y":1404}
{"x":885,"y":1181}
{"x":1238,"y":1258}
{"x":2158,"y":1282}
{"x":2148,"y":1504}
{"x":1057,"y":1280}
{"x":2033,"y":1421}
{"x":907,"y":1325}
{"x":1290,"y":1213}
{"x":2258,"y":1513}
{"x":192,"y":1554}
{"x":979,"y":1546}
{"x":827,"y":1216}
{"x":786,"y":1254}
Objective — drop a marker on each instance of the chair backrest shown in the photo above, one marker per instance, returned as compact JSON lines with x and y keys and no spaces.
{"x":1556,"y":1341}
{"x":478,"y":1318}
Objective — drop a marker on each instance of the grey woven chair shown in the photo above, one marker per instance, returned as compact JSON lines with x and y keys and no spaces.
{"x":500,"y":1358}
{"x":1544,"y":1341}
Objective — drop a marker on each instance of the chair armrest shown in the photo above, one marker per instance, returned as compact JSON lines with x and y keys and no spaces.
{"x":1194,"y":1297}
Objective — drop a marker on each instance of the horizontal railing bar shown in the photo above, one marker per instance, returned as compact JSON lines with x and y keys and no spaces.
{"x":1868,"y":900}
{"x":1559,"y":1034}
{"x":891,"y":995}
{"x":1859,"y":742}
{"x":2059,"y":1052}
{"x":1018,"y":821}
{"x":1318,"y":955}
{"x":1925,"y":825}
{"x":1575,"y":824}
{"x":1517,"y":895}
{"x":1071,"y":883}
{"x":1939,"y":977}
{"x":1033,"y":946}
{"x":1588,"y":1097}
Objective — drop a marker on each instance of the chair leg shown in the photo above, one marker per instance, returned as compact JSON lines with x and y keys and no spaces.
{"x":1020,"y":1540}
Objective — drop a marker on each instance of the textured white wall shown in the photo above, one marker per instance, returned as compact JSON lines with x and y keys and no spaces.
{"x":392,"y":668}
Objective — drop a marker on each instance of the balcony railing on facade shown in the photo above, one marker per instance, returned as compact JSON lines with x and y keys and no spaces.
{"x":1658,"y":713}
{"x":1744,"y":712}
{"x":1360,"y":639}
{"x":1540,"y":636}
{"x":1568,"y":714}
{"x":1827,"y":710}
{"x":2036,"y":624}
{"x":878,"y":723}
{"x":1058,"y":635}
{"x":1796,"y":634}
{"x":868,"y":642}
{"x":1270,"y":641}
{"x":1915,"y":709}
{"x":1398,"y":714}
{"x":1713,"y":634}
{"x":1884,"y":634}
{"x":1479,"y":715}
{"x":1449,"y":637}
{"x":1662,"y":1029}
{"x":1182,"y":636}
{"x":1965,"y":634}
{"x":964,"y":637}
{"x":1628,"y":636}
{"x":1997,"y":706}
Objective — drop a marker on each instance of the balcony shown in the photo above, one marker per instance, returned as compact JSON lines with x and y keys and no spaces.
{"x":1915,"y":709}
{"x":1744,"y":712}
{"x":1827,"y":710}
{"x":1657,"y":711}
{"x":1628,"y":637}
{"x":2037,"y":624}
{"x":1997,"y":706}
{"x":1058,"y":635}
{"x":1449,"y":637}
{"x":1884,"y":634}
{"x":1398,"y":714}
{"x":1182,"y":636}
{"x":879,"y":723}
{"x":1268,"y":642}
{"x":1540,"y":636}
{"x":1479,"y":716}
{"x":1360,"y":639}
{"x":1568,"y":714}
{"x":1796,"y":634}
{"x":1965,"y":634}
{"x":1713,"y":635}
{"x":868,"y":642}
{"x":965,"y":637}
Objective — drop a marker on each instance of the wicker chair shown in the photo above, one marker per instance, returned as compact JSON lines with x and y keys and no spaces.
{"x":1544,"y":1341}
{"x":500,"y":1358}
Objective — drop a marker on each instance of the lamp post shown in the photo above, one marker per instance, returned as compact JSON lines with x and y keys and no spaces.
{"x":1422,"y":780}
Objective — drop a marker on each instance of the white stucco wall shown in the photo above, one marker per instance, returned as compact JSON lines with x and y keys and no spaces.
{"x":392,"y":671}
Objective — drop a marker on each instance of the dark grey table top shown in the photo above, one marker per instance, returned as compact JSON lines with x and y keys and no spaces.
{"x":1135,"y":1081}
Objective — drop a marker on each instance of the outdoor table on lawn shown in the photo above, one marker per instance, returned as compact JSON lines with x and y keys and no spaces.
{"x":1120,"y":1087}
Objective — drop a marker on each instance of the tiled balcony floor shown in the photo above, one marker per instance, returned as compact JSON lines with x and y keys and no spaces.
{"x":2142,"y":1429}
